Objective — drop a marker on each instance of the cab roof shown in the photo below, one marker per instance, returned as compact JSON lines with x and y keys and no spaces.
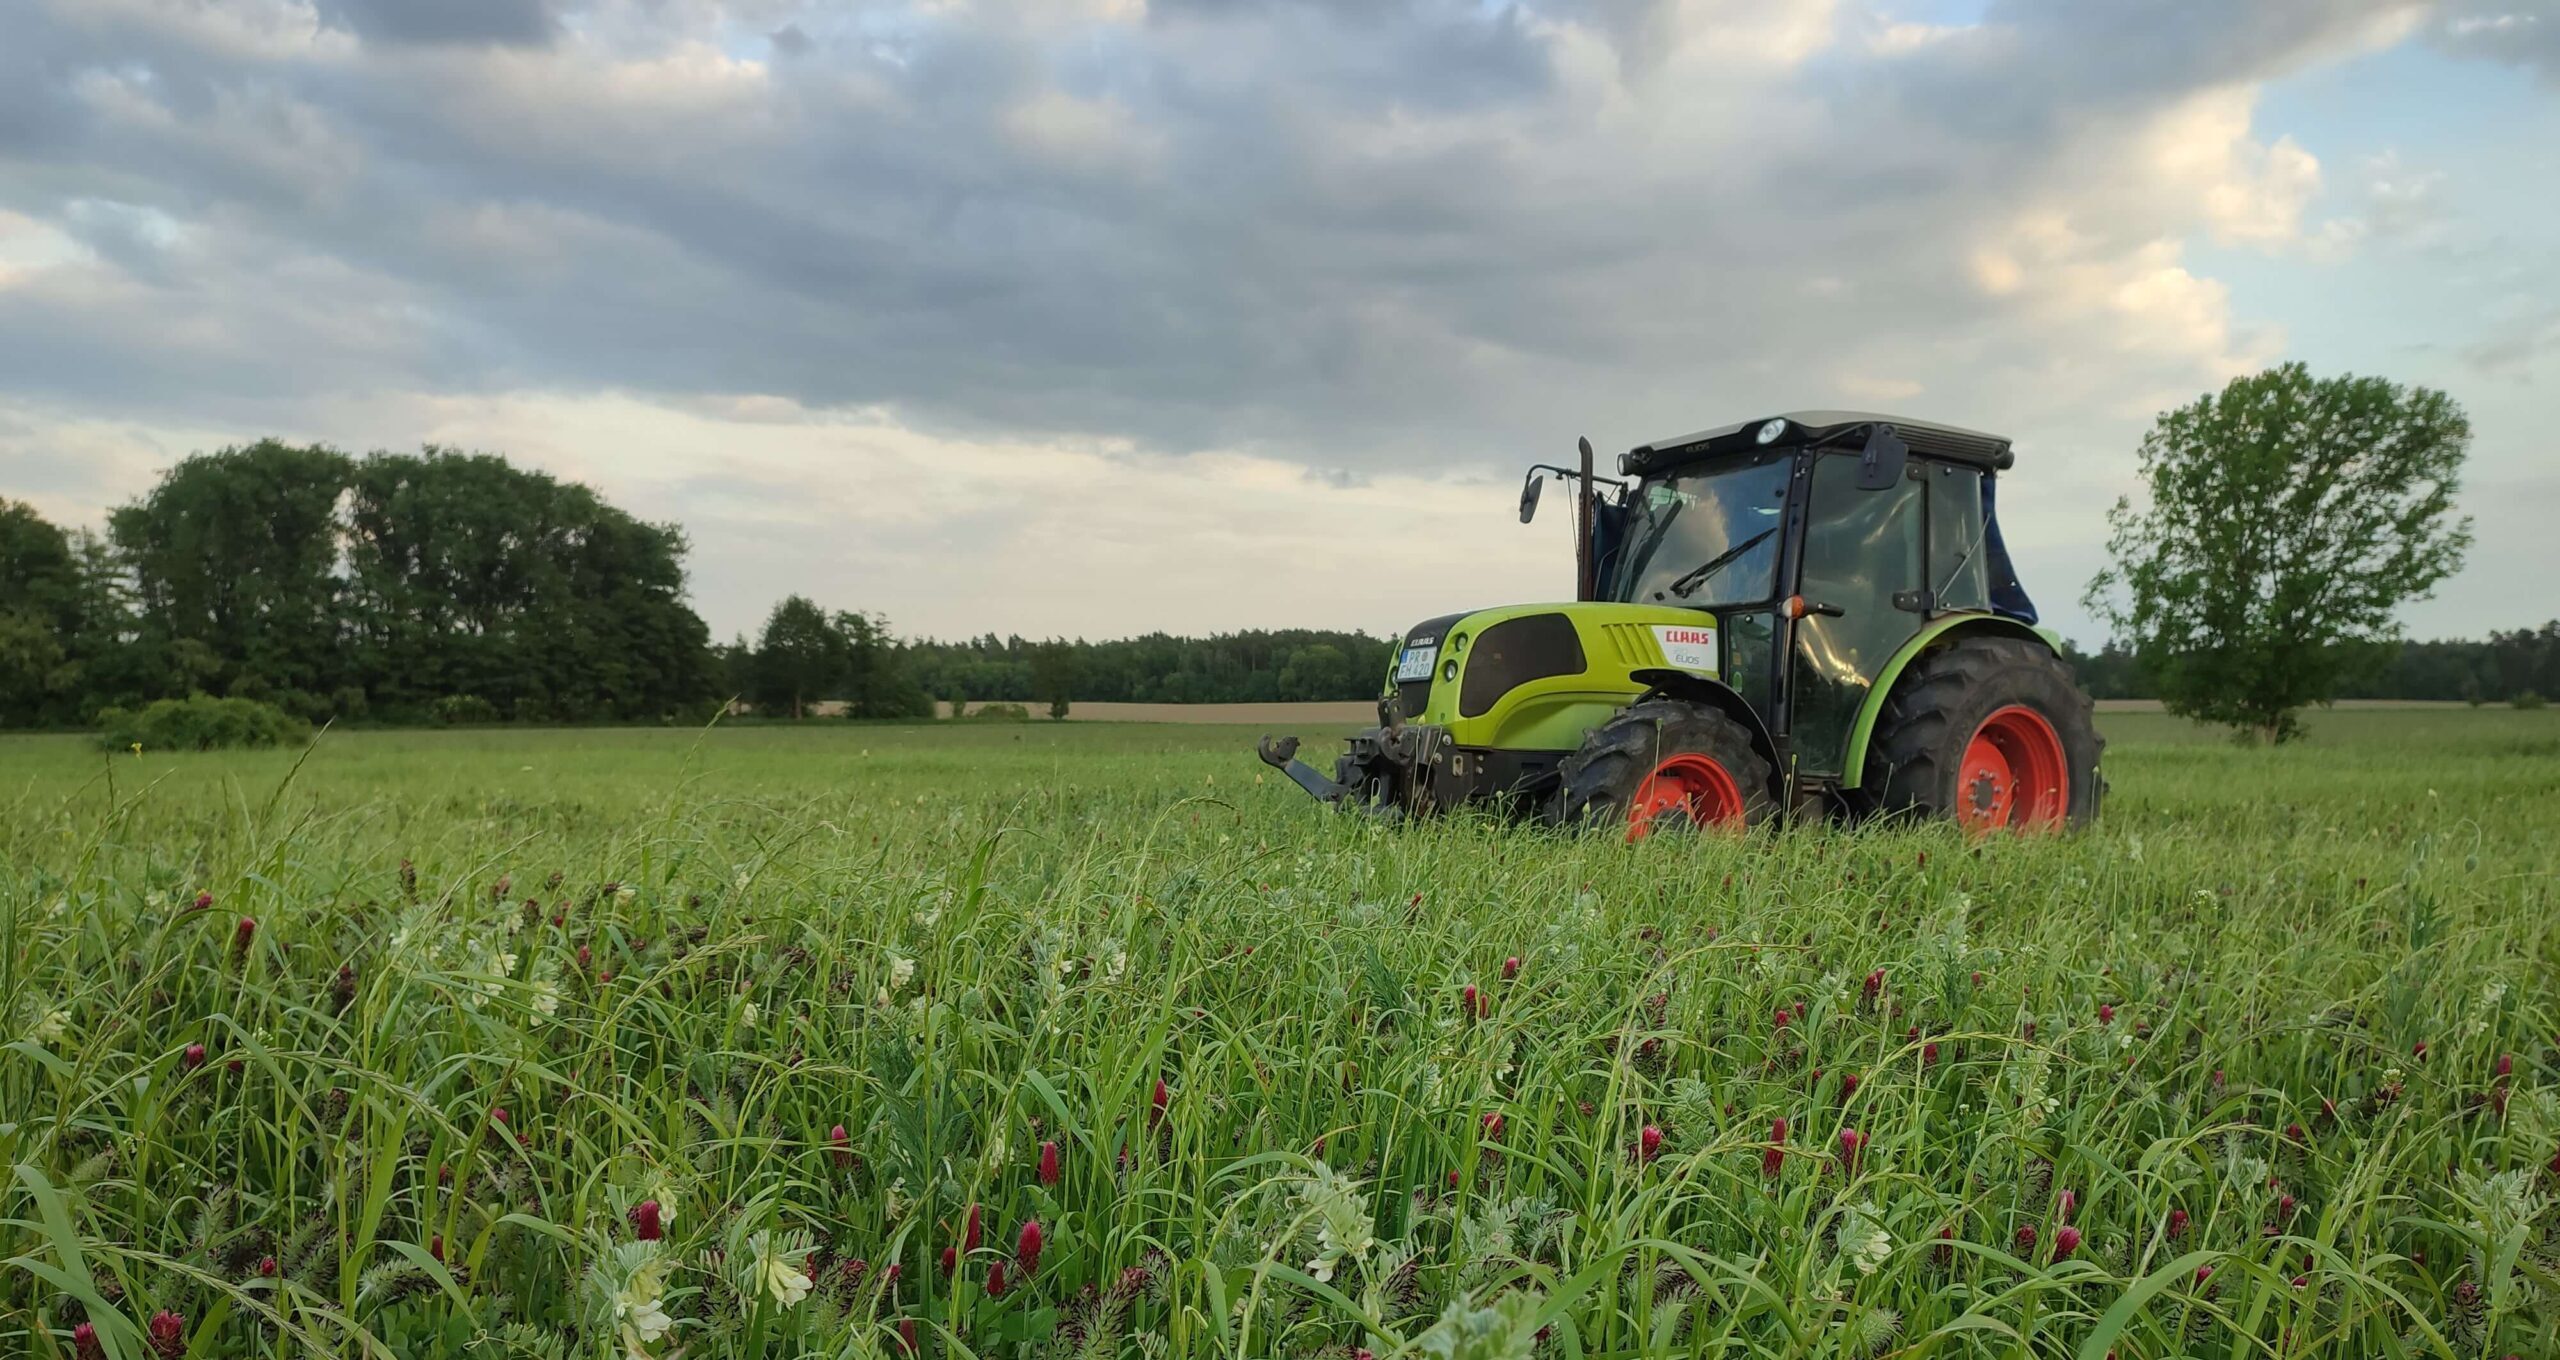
{"x":1927,"y":438}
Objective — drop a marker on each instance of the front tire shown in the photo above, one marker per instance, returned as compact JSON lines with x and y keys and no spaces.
{"x":1664,"y":764}
{"x":1993,"y":732}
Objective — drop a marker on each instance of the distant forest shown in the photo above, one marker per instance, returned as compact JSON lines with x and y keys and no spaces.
{"x":2520,"y":665}
{"x":1255,"y":667}
{"x":447,"y":587}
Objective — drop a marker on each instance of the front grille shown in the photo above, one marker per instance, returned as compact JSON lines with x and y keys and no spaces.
{"x":1413,"y":695}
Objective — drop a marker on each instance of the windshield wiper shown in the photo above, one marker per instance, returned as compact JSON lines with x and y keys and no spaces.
{"x":1688,"y":585}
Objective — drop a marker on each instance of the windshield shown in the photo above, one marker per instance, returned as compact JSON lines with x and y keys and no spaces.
{"x":1708,"y":539}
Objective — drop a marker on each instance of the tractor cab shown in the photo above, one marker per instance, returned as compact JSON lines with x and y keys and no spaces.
{"x":1872,"y":525}
{"x":1775,"y":617}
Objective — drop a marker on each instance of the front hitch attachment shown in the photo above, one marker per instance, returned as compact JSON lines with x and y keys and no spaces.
{"x":1282,"y":754}
{"x":1381,"y":771}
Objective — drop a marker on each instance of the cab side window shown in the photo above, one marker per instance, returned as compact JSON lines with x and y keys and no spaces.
{"x":1861,"y":548}
{"x":1958,"y":569}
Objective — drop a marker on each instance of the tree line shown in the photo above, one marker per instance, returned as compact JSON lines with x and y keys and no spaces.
{"x":446,"y":586}
{"x":2509,"y":667}
{"x":394,"y":587}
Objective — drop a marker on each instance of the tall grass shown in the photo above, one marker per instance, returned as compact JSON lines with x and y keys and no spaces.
{"x":407,"y":1049}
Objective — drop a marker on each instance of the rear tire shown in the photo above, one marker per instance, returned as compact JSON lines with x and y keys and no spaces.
{"x":1664,"y":764}
{"x":1992,"y":732}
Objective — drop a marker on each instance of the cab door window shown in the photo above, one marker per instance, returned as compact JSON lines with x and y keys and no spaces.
{"x":1861,"y":548}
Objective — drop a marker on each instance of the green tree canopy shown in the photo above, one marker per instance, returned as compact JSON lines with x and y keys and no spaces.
{"x":467,"y":575}
{"x":1053,"y":676}
{"x":800,"y":658}
{"x":2287,"y":519}
{"x":39,"y":575}
{"x":39,"y":608}
{"x":238,"y":551}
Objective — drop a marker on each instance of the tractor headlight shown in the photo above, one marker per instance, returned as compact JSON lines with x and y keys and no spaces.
{"x":1449,"y":671}
{"x":1769,"y":433}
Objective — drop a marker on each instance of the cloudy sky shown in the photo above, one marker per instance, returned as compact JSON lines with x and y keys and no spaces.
{"x":1100,"y":316}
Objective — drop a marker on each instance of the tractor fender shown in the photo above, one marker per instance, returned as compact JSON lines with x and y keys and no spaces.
{"x":1691,"y":687}
{"x":1853,"y":761}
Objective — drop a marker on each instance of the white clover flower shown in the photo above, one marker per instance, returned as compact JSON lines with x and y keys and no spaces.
{"x":2494,"y":993}
{"x":782,"y":1273}
{"x":626,"y":892}
{"x":1115,"y":963}
{"x":901,"y":971}
{"x":51,"y":1025}
{"x":546,"y":998}
{"x":504,"y":964}
{"x":995,"y":1150}
{"x":748,"y":1015}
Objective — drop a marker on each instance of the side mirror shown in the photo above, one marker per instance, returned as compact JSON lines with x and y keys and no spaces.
{"x":1529,"y":497}
{"x":1880,"y":464}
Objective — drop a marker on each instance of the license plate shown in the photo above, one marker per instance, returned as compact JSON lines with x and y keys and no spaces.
{"x":1415,"y":664}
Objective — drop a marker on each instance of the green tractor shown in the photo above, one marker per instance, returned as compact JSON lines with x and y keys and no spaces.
{"x":1809,"y":615}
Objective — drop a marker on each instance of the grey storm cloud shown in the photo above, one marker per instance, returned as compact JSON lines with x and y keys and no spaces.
{"x":469,"y":22}
{"x":2522,"y":33}
{"x":1347,"y":233}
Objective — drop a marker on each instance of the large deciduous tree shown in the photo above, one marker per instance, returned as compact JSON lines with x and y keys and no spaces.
{"x":39,"y":590}
{"x":876,"y":681}
{"x":469,"y":576}
{"x":1053,"y":676}
{"x":2287,"y":518}
{"x":800,"y":658}
{"x":237,"y":552}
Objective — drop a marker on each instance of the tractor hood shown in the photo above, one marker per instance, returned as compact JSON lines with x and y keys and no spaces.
{"x":1533,"y":675}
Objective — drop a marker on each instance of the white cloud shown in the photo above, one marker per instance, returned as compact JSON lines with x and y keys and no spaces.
{"x":1040,"y":292}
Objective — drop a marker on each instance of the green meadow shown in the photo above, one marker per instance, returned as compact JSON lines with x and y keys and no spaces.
{"x":1092,"y":1039}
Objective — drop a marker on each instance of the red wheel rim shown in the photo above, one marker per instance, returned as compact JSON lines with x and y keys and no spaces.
{"x":2014,"y":775}
{"x":1693,"y":786}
